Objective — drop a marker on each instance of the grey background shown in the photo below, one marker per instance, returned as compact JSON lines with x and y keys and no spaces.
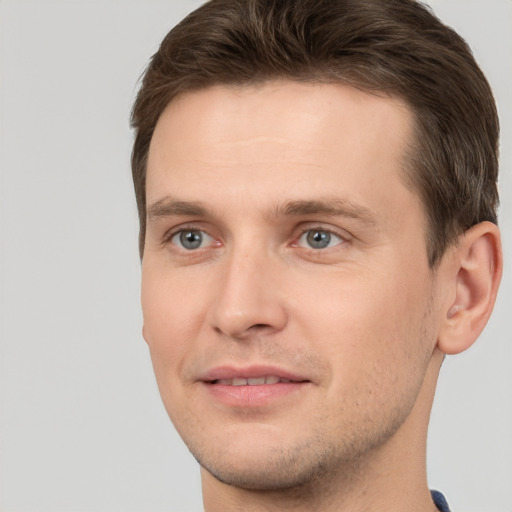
{"x":81,"y":424}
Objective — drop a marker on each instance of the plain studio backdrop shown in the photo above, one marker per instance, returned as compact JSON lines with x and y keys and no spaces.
{"x":81,"y":423}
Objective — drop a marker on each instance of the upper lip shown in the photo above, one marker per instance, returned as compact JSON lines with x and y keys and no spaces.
{"x":248,"y":372}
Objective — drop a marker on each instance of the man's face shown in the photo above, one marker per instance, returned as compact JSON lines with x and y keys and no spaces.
{"x":288,"y":303}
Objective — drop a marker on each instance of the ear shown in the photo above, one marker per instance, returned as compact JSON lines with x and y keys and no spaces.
{"x":475,"y":274}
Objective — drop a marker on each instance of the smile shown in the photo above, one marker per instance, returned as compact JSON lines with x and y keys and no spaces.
{"x":252,"y":387}
{"x":252,"y":381}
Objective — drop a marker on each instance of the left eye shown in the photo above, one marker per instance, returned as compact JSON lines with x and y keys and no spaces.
{"x":319,"y":239}
{"x":191,"y":239}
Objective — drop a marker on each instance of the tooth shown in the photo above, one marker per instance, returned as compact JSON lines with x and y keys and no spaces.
{"x":252,"y":381}
{"x":256,"y":381}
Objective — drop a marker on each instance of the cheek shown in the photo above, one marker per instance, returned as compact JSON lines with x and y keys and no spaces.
{"x":367,"y":327}
{"x":172,"y":319}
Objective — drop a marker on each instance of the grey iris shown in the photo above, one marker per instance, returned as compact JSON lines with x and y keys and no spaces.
{"x":318,"y":239}
{"x":191,"y":239}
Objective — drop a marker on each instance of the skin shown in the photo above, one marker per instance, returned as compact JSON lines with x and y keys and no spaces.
{"x":256,"y":172}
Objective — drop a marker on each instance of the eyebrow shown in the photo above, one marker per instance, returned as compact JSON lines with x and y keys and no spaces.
{"x":333,"y":207}
{"x":169,"y":207}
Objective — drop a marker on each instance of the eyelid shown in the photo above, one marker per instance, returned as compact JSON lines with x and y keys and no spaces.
{"x":301,"y":230}
{"x":188,"y":226}
{"x":334,"y":240}
{"x":206,"y":240}
{"x":344,"y":235}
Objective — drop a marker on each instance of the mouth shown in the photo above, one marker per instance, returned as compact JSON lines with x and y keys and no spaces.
{"x":252,"y":381}
{"x":253,"y":387}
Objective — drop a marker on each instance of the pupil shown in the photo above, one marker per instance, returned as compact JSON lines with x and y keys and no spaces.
{"x":318,"y":239}
{"x":191,"y":239}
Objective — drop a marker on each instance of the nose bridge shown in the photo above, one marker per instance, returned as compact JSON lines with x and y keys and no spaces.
{"x":247,"y":298}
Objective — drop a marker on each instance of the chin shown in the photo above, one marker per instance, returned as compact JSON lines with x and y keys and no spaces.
{"x":277,"y":470}
{"x":276,"y":461}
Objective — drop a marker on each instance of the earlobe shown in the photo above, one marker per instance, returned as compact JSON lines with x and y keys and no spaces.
{"x":475,"y":277}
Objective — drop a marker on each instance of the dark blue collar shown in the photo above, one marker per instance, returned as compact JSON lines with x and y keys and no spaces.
{"x":440,"y":501}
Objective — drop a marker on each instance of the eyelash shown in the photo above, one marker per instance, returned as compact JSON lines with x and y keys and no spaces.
{"x":343,"y":238}
{"x":182,"y":232}
{"x":177,"y":231}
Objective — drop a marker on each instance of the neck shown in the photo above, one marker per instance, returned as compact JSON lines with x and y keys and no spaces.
{"x":389,"y":478}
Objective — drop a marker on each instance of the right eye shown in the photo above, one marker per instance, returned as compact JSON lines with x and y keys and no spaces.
{"x":191,"y":239}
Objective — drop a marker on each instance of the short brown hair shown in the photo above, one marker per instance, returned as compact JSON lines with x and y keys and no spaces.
{"x":395,"y":47}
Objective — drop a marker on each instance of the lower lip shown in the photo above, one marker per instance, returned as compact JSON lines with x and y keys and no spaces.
{"x":254,"y":396}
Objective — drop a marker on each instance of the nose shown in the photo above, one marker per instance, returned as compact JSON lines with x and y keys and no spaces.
{"x":248,"y":301}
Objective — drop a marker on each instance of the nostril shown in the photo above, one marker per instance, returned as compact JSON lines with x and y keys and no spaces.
{"x":259,"y":329}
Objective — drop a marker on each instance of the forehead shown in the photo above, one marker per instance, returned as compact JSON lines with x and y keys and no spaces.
{"x":283,"y":107}
{"x":279,"y":139}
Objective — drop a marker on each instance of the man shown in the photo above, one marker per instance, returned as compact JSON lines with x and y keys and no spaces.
{"x":316,"y":184}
